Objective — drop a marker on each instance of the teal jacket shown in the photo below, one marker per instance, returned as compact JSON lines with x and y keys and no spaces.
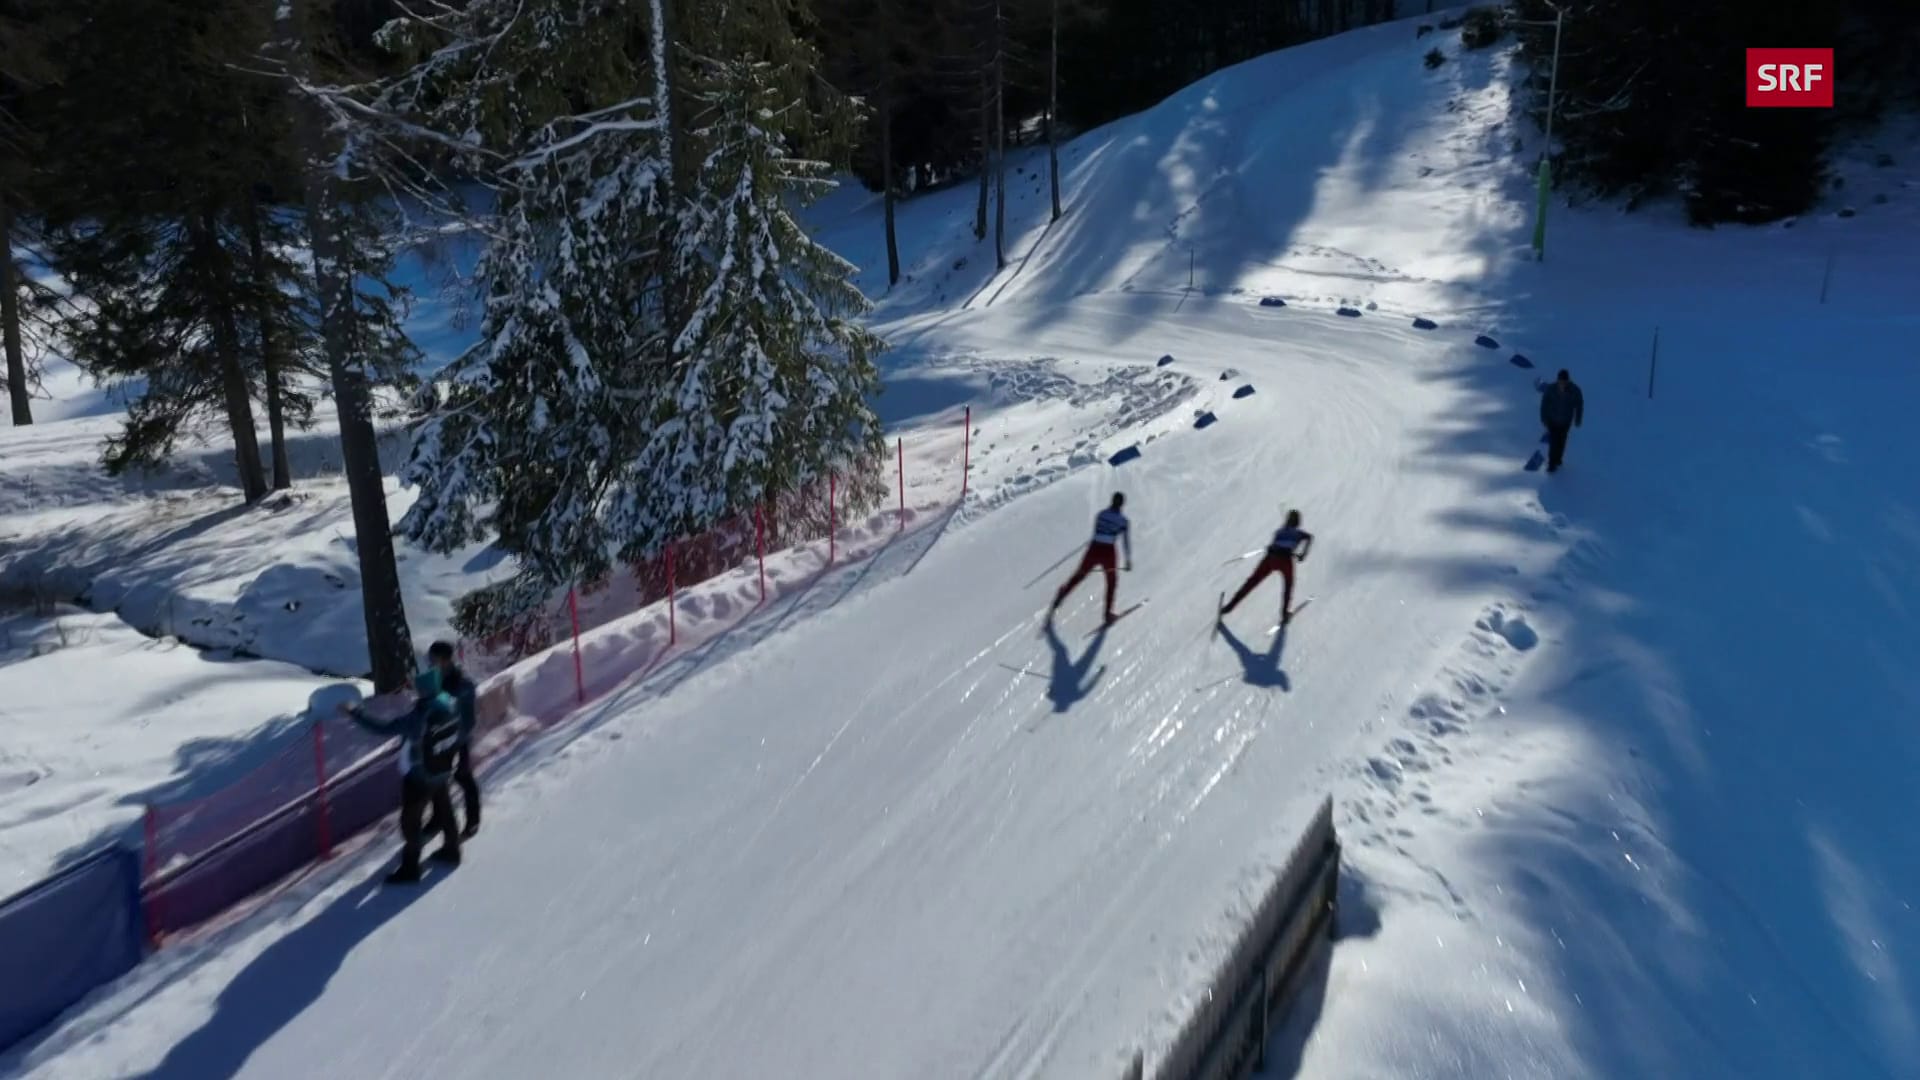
{"x":428,"y":732}
{"x":460,"y":685}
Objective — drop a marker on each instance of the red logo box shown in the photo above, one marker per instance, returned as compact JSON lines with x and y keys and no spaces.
{"x":1789,"y":78}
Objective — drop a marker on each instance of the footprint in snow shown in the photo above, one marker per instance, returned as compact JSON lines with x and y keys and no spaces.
{"x":1513,"y":628}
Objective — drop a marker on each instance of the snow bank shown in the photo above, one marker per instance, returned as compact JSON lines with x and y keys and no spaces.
{"x":98,"y":718}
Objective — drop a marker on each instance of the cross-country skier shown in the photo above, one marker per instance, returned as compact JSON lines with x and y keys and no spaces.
{"x":430,"y":735}
{"x":1291,"y":542}
{"x":1109,"y":529}
{"x":1562,"y":406}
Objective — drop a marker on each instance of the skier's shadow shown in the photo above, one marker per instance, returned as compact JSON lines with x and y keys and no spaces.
{"x":1262,"y":668}
{"x":1070,"y":683}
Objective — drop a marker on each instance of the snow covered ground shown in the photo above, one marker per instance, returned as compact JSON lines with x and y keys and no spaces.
{"x":1619,"y":755}
{"x":94,"y":714}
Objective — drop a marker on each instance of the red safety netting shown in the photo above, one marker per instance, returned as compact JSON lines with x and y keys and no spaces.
{"x":205,"y":854}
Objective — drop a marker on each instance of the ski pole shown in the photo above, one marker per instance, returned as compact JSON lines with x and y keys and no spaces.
{"x":1051,"y":569}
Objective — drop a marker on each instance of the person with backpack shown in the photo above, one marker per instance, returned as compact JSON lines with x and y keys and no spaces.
{"x":429,"y":740}
{"x":1110,"y":529}
{"x":457,"y":683}
{"x":1562,"y":407}
{"x":1289,"y":544}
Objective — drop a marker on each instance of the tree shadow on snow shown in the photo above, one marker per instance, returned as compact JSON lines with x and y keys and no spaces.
{"x":285,"y":979}
{"x":1716,"y":707}
{"x":271,"y":764}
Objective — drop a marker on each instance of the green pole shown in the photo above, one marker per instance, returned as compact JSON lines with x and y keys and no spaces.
{"x":1546,"y":178}
{"x":1540,"y":212}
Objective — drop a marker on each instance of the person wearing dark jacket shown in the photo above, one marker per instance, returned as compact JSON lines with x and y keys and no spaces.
{"x":459,"y":685}
{"x":1561,"y":408}
{"x":429,"y":736}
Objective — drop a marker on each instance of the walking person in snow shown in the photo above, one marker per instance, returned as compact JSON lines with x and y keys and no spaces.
{"x":1290,"y":543}
{"x":1109,"y":530}
{"x":457,"y":684}
{"x":1561,"y":407}
{"x":430,"y":736}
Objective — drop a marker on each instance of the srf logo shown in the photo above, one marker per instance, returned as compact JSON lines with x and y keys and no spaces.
{"x":1789,"y":78}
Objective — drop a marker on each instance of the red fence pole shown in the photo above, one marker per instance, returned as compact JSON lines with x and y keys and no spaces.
{"x":579,"y":675}
{"x":672,"y":633}
{"x":833,"y":492}
{"x":760,"y":546}
{"x":966,"y":453}
{"x":322,"y":823}
{"x":900,"y":447}
{"x":150,"y":866}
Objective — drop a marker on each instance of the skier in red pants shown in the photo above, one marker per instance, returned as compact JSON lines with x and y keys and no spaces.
{"x":1289,"y":543}
{"x":1109,"y":529}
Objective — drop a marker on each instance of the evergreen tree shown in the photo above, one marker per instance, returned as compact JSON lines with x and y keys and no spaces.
{"x":1648,"y":100}
{"x":878,"y":48}
{"x":357,"y":322}
{"x":537,"y":440}
{"x":150,"y":142}
{"x":771,"y":376}
{"x":27,"y":27}
{"x":662,"y":344}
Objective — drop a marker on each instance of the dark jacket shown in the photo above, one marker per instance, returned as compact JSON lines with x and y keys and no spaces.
{"x":1561,"y":405}
{"x":429,"y":733}
{"x":458,"y":684}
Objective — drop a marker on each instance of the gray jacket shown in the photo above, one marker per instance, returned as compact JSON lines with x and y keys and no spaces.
{"x":1561,"y":404}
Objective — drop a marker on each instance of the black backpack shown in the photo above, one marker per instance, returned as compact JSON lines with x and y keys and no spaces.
{"x":441,"y":737}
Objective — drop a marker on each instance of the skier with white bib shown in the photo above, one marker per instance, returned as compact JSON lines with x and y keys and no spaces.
{"x":1289,"y":544}
{"x":1110,"y":529}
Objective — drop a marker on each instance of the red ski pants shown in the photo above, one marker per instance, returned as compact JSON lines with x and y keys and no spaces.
{"x":1279,"y":562}
{"x":1098,"y":556}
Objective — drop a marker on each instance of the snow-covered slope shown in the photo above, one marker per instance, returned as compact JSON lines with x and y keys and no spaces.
{"x":1619,"y":755}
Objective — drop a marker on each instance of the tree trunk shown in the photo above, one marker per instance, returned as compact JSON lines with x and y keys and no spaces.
{"x":389,"y":641}
{"x":17,"y":388}
{"x":1053,"y":110}
{"x":999,"y":145}
{"x":234,"y":386}
{"x":269,"y":350}
{"x":986,"y":154}
{"x":886,"y":177}
{"x":674,"y":302}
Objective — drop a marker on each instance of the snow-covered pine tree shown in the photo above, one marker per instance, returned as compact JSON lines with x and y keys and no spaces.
{"x":771,"y":375}
{"x":657,"y":351}
{"x":541,"y":434}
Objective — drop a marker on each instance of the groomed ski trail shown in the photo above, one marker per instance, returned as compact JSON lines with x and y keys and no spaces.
{"x":865,"y":848}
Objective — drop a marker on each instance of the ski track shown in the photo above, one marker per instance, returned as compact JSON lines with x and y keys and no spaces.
{"x":952,"y":815}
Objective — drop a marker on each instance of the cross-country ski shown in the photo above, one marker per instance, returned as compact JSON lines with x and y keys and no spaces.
{"x":1116,"y":617}
{"x":1297,"y":609}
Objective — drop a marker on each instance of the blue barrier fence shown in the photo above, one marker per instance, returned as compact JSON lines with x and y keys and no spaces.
{"x":67,"y":935}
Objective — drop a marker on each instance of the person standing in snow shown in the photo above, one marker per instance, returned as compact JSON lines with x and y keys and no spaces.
{"x":429,"y":737}
{"x":1110,"y":529}
{"x":456,"y":683}
{"x":1290,"y":543}
{"x":1561,"y":408}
